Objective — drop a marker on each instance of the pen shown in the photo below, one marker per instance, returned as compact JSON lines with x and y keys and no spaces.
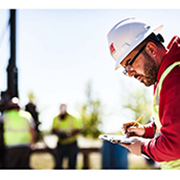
{"x":136,"y":122}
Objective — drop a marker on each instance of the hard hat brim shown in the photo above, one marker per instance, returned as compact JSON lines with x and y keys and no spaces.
{"x":135,"y":44}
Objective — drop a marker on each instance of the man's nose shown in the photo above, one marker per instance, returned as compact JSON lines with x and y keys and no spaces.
{"x":131,"y":73}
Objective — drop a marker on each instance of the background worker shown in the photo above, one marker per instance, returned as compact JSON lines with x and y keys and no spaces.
{"x":31,"y":108}
{"x":67,"y":128}
{"x":18,"y":135}
{"x":137,"y":47}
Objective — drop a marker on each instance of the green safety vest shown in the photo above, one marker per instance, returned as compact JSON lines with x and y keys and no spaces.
{"x":16,"y":127}
{"x":174,"y":164}
{"x":67,"y":125}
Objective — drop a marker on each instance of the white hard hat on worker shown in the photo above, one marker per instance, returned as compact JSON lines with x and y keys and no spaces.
{"x":126,"y":35}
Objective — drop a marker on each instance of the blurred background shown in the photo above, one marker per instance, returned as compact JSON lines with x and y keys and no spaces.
{"x":62,"y":56}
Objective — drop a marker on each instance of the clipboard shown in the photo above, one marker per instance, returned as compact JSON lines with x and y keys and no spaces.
{"x":118,"y":138}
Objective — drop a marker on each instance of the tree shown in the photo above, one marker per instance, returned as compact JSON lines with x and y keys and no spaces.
{"x":31,"y":96}
{"x":138,"y":102}
{"x":91,"y":114}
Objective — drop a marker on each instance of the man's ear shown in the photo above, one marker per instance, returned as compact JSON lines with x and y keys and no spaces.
{"x":151,"y":49}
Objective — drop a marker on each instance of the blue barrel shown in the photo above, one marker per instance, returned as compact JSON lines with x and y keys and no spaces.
{"x":114,"y":156}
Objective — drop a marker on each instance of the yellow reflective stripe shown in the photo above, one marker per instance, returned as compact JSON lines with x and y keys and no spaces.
{"x":17,"y":130}
{"x":157,"y":94}
{"x":174,"y":164}
{"x":166,"y":72}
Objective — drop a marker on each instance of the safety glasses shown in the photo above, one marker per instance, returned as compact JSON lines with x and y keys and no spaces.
{"x":130,"y":62}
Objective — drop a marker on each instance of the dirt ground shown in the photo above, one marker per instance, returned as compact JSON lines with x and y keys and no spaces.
{"x":46,"y":160}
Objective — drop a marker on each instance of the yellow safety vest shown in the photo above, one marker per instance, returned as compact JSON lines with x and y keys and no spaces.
{"x":16,"y":127}
{"x":174,"y":164}
{"x":67,"y":125}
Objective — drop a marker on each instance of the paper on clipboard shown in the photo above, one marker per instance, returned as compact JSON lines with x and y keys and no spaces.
{"x":118,"y":138}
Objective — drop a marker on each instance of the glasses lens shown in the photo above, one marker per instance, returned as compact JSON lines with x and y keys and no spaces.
{"x":125,"y":72}
{"x":128,"y":69}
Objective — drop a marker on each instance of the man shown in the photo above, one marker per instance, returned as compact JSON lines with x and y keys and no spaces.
{"x":18,"y":135}
{"x":138,"y":48}
{"x":67,"y":128}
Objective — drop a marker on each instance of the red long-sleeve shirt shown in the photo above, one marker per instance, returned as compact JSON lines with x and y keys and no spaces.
{"x":166,"y":147}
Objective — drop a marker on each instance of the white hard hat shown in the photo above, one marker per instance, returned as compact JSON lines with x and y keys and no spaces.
{"x":126,"y":36}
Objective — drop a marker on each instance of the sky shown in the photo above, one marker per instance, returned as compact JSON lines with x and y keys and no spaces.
{"x":60,"y":50}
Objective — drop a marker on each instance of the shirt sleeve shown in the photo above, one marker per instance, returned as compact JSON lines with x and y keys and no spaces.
{"x":166,"y":147}
{"x":150,"y":129}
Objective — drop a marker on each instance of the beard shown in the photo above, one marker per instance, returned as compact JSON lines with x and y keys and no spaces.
{"x":62,"y":116}
{"x":150,"y":70}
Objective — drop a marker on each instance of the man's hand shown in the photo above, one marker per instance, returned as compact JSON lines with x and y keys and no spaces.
{"x":135,"y":147}
{"x":75,"y":132}
{"x":131,"y":130}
